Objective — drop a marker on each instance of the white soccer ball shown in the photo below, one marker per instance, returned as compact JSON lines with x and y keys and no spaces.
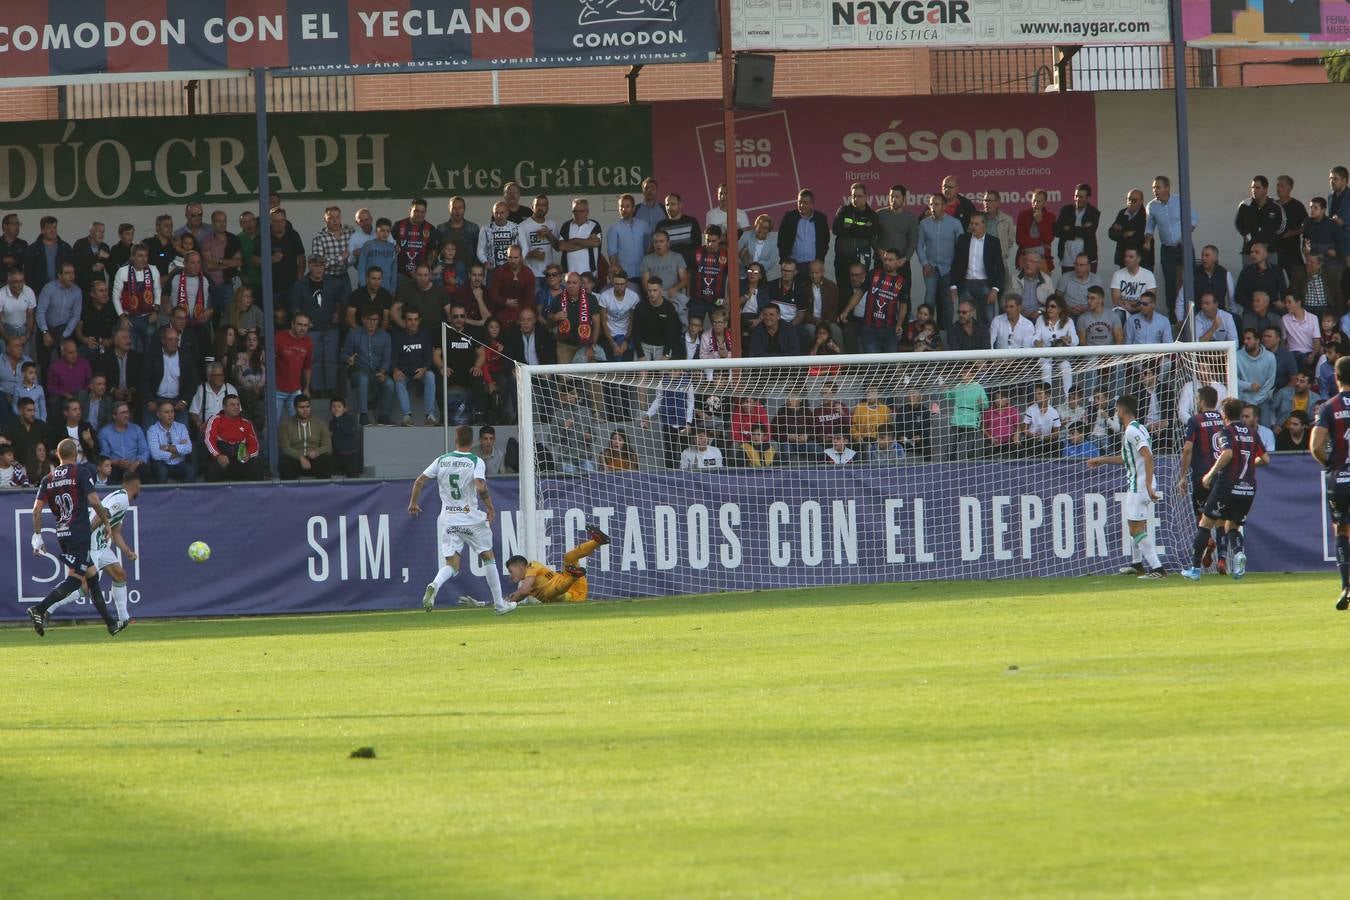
{"x":199,"y":551}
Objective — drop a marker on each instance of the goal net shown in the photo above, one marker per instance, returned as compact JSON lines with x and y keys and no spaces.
{"x":722,"y":475}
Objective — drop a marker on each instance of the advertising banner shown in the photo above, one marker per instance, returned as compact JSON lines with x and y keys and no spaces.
{"x":163,"y":161}
{"x":86,"y":37}
{"x":351,"y":546}
{"x":850,"y":25}
{"x":1012,"y":144}
{"x":1292,"y":24}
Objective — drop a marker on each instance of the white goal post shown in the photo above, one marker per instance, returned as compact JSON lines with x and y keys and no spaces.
{"x":743,"y":474}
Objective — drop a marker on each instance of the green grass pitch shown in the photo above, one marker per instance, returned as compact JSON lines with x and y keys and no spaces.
{"x":1092,"y":737}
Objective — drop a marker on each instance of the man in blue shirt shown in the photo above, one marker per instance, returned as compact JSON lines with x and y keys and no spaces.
{"x":627,"y":240}
{"x":1164,"y":226}
{"x":368,"y":353}
{"x":804,"y":233}
{"x":123,"y":442}
{"x":58,"y":310}
{"x":1148,"y":326}
{"x":170,"y":448}
{"x":938,"y":234}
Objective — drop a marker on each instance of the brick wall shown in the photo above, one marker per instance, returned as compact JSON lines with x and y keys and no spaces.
{"x":26,"y":104}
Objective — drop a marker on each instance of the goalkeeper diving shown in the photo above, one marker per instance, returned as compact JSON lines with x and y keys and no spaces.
{"x":537,"y":583}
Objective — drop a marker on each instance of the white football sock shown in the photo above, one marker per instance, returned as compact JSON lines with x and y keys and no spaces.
{"x":68,"y":598}
{"x":1148,"y":550}
{"x":494,"y":580}
{"x":444,"y":575}
{"x":119,"y":598}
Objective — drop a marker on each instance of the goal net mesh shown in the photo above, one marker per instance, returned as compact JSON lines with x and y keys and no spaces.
{"x":839,"y":470}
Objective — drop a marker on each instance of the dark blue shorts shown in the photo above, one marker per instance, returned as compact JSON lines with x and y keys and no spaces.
{"x":1199,"y":496}
{"x":75,"y":553}
{"x":1338,"y":498}
{"x":1224,"y":506}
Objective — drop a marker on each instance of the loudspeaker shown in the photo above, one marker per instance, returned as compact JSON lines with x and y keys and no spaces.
{"x":753,"y":81}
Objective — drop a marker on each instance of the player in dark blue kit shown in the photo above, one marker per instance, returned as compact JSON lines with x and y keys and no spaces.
{"x":1199,"y":449}
{"x":1330,"y":445}
{"x":1232,"y":488}
{"x":68,"y":490}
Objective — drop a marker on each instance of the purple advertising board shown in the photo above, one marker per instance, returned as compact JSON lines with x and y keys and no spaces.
{"x":352,"y":546}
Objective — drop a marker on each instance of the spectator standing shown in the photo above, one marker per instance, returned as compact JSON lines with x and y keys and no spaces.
{"x":1164,"y":233}
{"x":232,"y":445}
{"x":369,"y":355}
{"x":708,"y":277}
{"x":163,"y":246}
{"x":856,"y":230}
{"x":306,"y":447}
{"x":897,"y":228}
{"x":718,"y":216}
{"x":380,"y":252}
{"x":170,"y":448}
{"x":58,"y":311}
{"x":12,"y":247}
{"x":1076,"y":228}
{"x":42,"y":259}
{"x":295,"y":363}
{"x":651,"y":210}
{"x":628,"y":239}
{"x":412,"y":237}
{"x":1259,"y":219}
{"x":1289,"y":245}
{"x":1130,"y":228}
{"x":511,"y":289}
{"x":804,"y":232}
{"x":885,"y":301}
{"x":18,"y":308}
{"x":123,"y":442}
{"x":1002,"y":226}
{"x":760,"y":245}
{"x":321,"y":297}
{"x":448,"y":272}
{"x":497,"y":237}
{"x":683,"y":229}
{"x":956,"y":204}
{"x":135,"y":294}
{"x":1338,"y":209}
{"x":967,"y":401}
{"x":333,"y":245}
{"x":288,"y":258}
{"x":190,"y":290}
{"x":120,"y":253}
{"x":977,"y":269}
{"x":362,"y":234}
{"x":90,"y":255}
{"x":539,"y":238}
{"x":938,"y":234}
{"x":458,"y":230}
{"x":222,"y":256}
{"x":669,"y":270}
{"x":1036,"y":229}
{"x":1033,"y":283}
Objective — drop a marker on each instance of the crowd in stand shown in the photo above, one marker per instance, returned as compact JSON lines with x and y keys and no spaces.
{"x":150,"y":351}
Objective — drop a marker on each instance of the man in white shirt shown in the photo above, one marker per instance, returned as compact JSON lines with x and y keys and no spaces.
{"x":1129,"y":283}
{"x":539,"y":238}
{"x":718,"y":215}
{"x":703,"y":455}
{"x":18,"y":307}
{"x":1041,"y":422}
{"x":209,"y":399}
{"x":579,"y":240}
{"x":1012,"y":330}
{"x":618,"y":301}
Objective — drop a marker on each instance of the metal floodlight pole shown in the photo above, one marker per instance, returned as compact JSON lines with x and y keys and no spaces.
{"x":1183,"y":159}
{"x":265,"y":258}
{"x":729,"y":150}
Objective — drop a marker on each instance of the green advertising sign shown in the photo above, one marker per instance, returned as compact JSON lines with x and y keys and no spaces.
{"x":151,"y":161}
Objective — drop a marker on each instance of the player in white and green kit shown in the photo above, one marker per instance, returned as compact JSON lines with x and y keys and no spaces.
{"x":106,"y":541}
{"x":1141,"y":490}
{"x":463,"y":484}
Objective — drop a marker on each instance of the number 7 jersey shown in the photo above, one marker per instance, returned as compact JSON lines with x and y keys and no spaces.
{"x":457,"y":474}
{"x":1239,"y":476}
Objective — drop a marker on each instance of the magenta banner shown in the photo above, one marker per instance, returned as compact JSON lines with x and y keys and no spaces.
{"x":1294,"y":24}
{"x":1012,"y":144}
